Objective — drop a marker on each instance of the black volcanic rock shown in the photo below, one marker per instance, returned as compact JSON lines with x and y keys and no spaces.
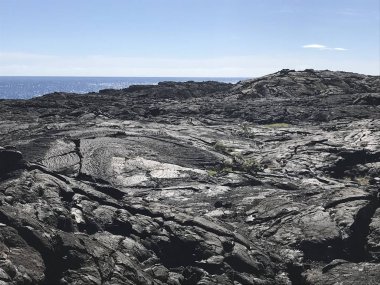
{"x":9,"y":160}
{"x":290,"y":83}
{"x":273,"y":180}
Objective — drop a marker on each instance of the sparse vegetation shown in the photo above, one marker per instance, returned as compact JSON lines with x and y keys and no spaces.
{"x":246,"y":131}
{"x":221,"y":147}
{"x":249,"y":165}
{"x":212,"y":172}
{"x":226,"y":169}
{"x":363,"y":180}
{"x":277,"y":125}
{"x":236,"y":163}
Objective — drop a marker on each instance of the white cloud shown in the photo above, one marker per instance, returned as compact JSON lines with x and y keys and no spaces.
{"x":323,"y":47}
{"x":317,"y":46}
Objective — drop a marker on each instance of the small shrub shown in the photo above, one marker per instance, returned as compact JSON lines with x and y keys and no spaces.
{"x":251,"y":165}
{"x":277,"y":125}
{"x":212,"y":172}
{"x":219,"y":146}
{"x":226,"y":169}
{"x":363,"y":180}
{"x":246,"y":132}
{"x":235,"y":163}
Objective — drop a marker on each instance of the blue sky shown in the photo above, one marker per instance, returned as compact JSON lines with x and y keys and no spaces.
{"x":187,"y":37}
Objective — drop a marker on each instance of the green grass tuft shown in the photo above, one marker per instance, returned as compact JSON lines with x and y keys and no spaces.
{"x":277,"y":125}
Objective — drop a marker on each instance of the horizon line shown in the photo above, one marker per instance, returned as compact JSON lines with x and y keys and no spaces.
{"x":134,"y":76}
{"x":191,"y":76}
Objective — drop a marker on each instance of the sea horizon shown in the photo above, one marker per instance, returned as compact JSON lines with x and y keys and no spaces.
{"x":26,"y":87}
{"x":108,"y":76}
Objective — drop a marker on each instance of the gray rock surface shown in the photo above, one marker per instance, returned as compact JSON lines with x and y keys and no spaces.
{"x":273,"y":180}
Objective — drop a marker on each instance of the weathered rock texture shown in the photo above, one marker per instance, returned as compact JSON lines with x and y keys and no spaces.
{"x":273,"y":180}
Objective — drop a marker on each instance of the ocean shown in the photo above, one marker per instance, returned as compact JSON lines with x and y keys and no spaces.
{"x":25,"y":87}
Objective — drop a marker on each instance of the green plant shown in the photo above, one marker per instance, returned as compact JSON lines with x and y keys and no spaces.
{"x":244,"y":127}
{"x":245,"y":164}
{"x":246,"y":131}
{"x":219,"y":146}
{"x":363,"y":180}
{"x":240,"y":163}
{"x":236,"y":162}
{"x":251,"y":165}
{"x":226,"y":169}
{"x":212,"y":172}
{"x":277,"y":125}
{"x":227,"y":166}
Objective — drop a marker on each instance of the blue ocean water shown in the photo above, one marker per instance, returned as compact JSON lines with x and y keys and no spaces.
{"x":24,"y":87}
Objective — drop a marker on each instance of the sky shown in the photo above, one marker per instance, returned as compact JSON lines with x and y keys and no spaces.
{"x":215,"y":38}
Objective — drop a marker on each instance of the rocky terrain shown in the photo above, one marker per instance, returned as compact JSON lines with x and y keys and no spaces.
{"x":273,"y":180}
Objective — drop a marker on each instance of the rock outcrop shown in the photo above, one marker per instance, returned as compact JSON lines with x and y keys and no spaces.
{"x":273,"y":180}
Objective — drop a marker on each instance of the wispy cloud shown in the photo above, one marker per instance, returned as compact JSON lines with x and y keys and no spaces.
{"x":323,"y":47}
{"x":347,"y":12}
{"x":317,"y":46}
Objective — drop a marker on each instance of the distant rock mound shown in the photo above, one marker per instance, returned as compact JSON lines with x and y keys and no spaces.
{"x":290,"y":83}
